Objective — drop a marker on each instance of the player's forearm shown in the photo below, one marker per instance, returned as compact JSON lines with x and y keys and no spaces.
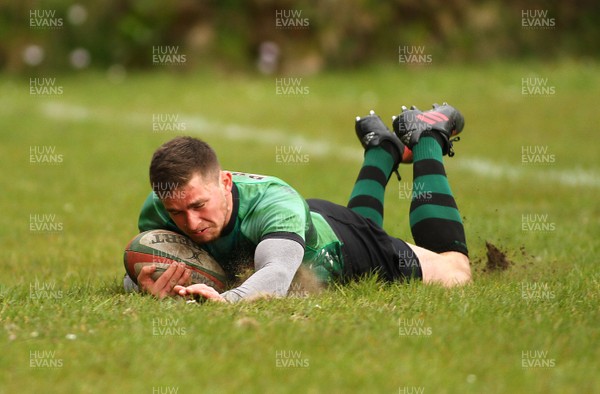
{"x":276,"y":263}
{"x":268,"y":281}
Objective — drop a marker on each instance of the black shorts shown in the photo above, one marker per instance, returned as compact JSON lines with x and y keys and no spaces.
{"x":367,"y":248}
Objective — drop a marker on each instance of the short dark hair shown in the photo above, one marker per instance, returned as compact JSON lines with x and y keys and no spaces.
{"x":175,"y":163}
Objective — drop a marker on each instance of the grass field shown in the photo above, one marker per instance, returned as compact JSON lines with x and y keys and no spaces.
{"x":525,"y":177}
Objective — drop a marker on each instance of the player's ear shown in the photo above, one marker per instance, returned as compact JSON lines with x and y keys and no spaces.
{"x":226,"y":181}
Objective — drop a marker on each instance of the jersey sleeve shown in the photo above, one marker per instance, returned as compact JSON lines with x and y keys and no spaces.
{"x":281,"y":213}
{"x":276,"y":262}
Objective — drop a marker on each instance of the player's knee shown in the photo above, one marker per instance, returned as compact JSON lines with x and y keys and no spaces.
{"x":446,"y":268}
{"x":457,"y":269}
{"x":461,"y":273}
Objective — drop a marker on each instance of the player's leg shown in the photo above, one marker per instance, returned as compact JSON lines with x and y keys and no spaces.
{"x":366,"y":247}
{"x":446,"y":268}
{"x":383,"y":153}
{"x":435,"y":221}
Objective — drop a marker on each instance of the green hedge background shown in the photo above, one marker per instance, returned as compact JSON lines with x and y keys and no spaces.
{"x":336,"y":34}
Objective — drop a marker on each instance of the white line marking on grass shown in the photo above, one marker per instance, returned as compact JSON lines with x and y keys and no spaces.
{"x":323,"y":148}
{"x":232,"y":131}
{"x":573,"y":177}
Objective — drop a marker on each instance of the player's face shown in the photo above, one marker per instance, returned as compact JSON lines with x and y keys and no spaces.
{"x":202,"y":208}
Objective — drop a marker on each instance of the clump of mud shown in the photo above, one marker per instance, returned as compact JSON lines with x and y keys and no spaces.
{"x":496,"y":259}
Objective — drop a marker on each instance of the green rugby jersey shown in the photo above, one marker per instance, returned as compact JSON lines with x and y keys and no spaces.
{"x":263,"y":206}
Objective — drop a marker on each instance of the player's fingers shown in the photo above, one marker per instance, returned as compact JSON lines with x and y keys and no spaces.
{"x":161,"y":292}
{"x":180,"y":290}
{"x":147,"y":271}
{"x":177,"y":278}
{"x":179,"y":284}
{"x":144,"y":278}
{"x":185,"y":279}
{"x":204,"y":291}
{"x":214,"y":295}
{"x":210,"y":293}
{"x":198,"y":288}
{"x":164,"y":281}
{"x":177,"y":275}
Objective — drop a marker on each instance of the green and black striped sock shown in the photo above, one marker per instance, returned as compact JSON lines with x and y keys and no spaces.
{"x":368,"y":193}
{"x":434,"y":218}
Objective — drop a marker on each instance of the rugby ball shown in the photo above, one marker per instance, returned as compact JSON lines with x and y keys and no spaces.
{"x":163,"y":248}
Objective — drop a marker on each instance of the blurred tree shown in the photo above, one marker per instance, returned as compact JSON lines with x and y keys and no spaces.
{"x":308,"y":35}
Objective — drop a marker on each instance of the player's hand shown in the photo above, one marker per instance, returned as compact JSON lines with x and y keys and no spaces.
{"x":176,"y":275}
{"x":202,"y":290}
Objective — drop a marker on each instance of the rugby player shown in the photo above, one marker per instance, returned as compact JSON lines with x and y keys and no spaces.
{"x":240,"y":218}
